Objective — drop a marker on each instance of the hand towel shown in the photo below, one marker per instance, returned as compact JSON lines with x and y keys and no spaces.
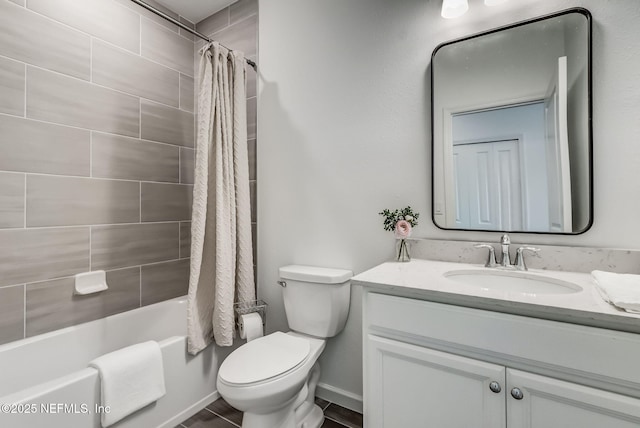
{"x":131,"y":378}
{"x":621,"y":290}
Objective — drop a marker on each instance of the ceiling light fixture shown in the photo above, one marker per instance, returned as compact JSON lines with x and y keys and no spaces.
{"x":455,"y":8}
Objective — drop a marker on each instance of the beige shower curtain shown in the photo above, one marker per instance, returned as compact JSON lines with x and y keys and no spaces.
{"x":221,"y":248}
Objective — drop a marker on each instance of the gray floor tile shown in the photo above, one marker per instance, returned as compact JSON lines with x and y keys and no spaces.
{"x":207,"y":419}
{"x":220,"y":411}
{"x":328,"y":423}
{"x":222,"y":408}
{"x":347,"y":417}
{"x":322,"y":403}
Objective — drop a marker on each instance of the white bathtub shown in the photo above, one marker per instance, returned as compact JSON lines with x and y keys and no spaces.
{"x":45,"y":380}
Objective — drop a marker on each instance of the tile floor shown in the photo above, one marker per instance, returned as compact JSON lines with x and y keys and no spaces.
{"x":219,"y":414}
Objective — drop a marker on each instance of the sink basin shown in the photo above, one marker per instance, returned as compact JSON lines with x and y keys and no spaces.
{"x":511,"y":281}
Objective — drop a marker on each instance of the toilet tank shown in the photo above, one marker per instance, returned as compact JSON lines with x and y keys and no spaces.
{"x":316,"y":299}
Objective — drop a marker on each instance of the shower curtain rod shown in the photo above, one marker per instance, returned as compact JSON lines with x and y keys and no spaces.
{"x":181,"y":25}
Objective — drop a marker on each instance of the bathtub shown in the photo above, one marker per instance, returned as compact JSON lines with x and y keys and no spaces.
{"x":45,"y":381}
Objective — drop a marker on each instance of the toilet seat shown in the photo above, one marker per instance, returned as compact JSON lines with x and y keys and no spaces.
{"x":264,"y":358}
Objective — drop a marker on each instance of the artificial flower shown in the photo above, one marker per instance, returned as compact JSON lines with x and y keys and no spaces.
{"x":403,"y":229}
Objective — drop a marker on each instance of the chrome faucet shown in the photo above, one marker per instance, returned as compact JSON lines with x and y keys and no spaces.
{"x":505,"y":261}
{"x":505,"y":242}
{"x":491,"y":260}
{"x":519,"y":263}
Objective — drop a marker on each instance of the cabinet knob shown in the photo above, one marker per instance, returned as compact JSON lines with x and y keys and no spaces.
{"x":517,"y":393}
{"x":495,"y":387}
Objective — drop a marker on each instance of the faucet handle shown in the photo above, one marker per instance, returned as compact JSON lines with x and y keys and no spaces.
{"x":520,"y":264}
{"x":491,"y":259}
{"x":505,"y":240}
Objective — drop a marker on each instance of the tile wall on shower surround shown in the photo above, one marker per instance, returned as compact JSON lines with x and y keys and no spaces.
{"x":96,"y":164}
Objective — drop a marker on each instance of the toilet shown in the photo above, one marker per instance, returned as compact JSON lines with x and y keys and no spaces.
{"x":273,"y":379}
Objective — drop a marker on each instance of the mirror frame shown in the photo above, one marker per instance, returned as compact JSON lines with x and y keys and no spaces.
{"x":588,"y":17}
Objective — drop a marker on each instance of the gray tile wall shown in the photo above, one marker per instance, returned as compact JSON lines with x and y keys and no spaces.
{"x":236,"y":27}
{"x":96,"y":164}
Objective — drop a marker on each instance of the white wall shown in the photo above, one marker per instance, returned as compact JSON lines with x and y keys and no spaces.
{"x":342,"y":126}
{"x":344,"y":131}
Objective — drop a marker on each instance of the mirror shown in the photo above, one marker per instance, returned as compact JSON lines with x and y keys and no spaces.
{"x":511,"y":128}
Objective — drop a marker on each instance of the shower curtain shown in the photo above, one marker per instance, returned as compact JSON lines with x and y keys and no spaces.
{"x":221,"y":248}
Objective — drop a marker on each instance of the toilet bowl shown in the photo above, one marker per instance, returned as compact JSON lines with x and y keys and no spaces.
{"x":281,"y":364}
{"x":273,"y":379}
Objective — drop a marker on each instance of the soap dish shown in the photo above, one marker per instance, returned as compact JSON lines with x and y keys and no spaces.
{"x":90,"y":282}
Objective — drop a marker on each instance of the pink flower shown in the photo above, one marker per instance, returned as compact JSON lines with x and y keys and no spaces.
{"x":403,"y":229}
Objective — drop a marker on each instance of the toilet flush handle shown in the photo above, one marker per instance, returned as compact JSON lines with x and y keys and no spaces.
{"x":282,"y":283}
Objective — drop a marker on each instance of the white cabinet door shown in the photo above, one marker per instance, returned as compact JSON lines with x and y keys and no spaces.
{"x":411,"y":386}
{"x":551,"y":403}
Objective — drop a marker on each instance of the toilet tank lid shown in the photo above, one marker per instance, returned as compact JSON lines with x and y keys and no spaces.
{"x":315,"y":274}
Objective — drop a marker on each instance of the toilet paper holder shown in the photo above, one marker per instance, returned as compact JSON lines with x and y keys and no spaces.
{"x":243,"y":308}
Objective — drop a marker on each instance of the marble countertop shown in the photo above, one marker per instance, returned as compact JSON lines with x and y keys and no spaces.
{"x":425,"y":279}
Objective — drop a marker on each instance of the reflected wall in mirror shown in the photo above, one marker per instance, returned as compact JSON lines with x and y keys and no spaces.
{"x":511,"y":128}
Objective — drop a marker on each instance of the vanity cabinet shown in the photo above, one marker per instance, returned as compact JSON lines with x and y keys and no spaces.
{"x":549,"y":402}
{"x":413,"y":386}
{"x":435,"y":365}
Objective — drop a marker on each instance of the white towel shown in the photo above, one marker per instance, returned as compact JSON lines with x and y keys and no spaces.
{"x":131,"y":378}
{"x":621,"y":290}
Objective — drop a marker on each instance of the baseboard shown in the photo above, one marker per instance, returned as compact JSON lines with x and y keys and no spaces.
{"x":339,"y":396}
{"x":190,"y":411}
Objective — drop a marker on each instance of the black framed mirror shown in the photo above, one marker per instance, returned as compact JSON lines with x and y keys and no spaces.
{"x":512,"y":128}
